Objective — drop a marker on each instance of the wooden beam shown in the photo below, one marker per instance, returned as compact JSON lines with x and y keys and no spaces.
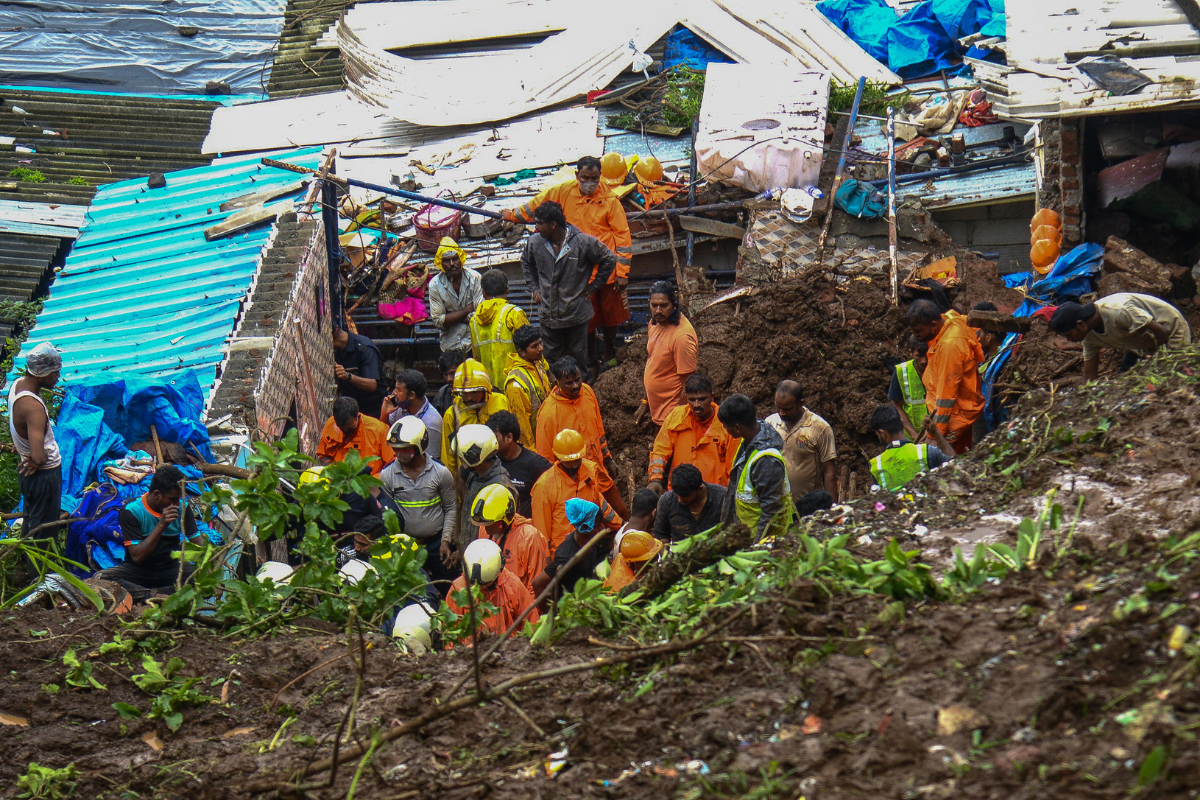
{"x":998,"y":322}
{"x":712,"y":226}
{"x":246,"y":219}
{"x":1191,"y":10}
{"x":258,"y":198}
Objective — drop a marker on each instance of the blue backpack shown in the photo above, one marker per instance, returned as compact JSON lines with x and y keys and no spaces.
{"x":98,"y":533}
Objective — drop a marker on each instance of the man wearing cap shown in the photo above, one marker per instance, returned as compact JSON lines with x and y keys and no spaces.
{"x":571,"y":476}
{"x":40,"y":467}
{"x":1136,"y":323}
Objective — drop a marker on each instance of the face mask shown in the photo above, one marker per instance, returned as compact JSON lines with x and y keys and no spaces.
{"x":588,"y":188}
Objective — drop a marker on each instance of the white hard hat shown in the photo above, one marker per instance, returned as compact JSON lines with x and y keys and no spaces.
{"x":277,"y":571}
{"x":486,"y":554}
{"x":409,"y":432}
{"x":354,"y":570}
{"x":475,"y":444}
{"x":414,"y":616}
{"x":415,"y":640}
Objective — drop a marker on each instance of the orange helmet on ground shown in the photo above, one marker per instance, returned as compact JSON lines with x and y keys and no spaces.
{"x":1045,"y":216}
{"x":613,"y":169}
{"x":648,"y":169}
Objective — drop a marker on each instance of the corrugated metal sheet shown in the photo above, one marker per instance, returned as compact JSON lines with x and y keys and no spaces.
{"x":142,"y":292}
{"x":94,"y":139}
{"x":297,"y":69}
{"x":24,"y":264}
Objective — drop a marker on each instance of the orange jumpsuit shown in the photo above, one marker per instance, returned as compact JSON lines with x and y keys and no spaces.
{"x":526,"y":551}
{"x":508,"y":594}
{"x":600,"y":215}
{"x":552,"y":491}
{"x":685,"y":440}
{"x":369,"y":440}
{"x":581,"y":414}
{"x":952,"y":378}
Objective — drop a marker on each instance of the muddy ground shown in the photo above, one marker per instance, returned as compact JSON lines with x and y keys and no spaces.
{"x":1048,"y":683}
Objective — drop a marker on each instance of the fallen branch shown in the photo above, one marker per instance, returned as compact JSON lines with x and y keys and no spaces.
{"x":495,"y":693}
{"x":708,"y":550}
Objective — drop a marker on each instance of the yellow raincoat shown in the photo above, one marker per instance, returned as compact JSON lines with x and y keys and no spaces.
{"x":526,"y":386}
{"x":470,"y":375}
{"x":492,"y":327}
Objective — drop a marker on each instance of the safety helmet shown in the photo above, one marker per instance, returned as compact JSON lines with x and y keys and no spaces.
{"x":494,"y":503}
{"x":402,"y":538}
{"x":415,"y":640}
{"x":471,"y":376}
{"x":416,"y":615}
{"x":474,"y":444}
{"x":648,"y":169}
{"x":277,"y":571}
{"x":613,"y":169}
{"x":409,"y":432}
{"x":639,"y":546}
{"x":485,"y":554}
{"x":354,"y":571}
{"x":568,"y":445}
{"x":313,"y":475}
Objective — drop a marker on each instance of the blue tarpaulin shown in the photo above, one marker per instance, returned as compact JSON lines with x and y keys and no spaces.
{"x":923,"y":41}
{"x":686,"y":49}
{"x":101,"y":417}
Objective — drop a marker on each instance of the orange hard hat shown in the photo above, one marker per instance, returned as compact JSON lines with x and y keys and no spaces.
{"x":569,"y":445}
{"x":1043,"y":254}
{"x":648,"y":169}
{"x":1047,"y":232}
{"x":639,"y":546}
{"x":613,"y":169}
{"x":1045,"y":216}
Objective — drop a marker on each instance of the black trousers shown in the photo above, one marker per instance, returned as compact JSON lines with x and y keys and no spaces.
{"x":1128,"y":360}
{"x":572,"y":341}
{"x":439,"y":574}
{"x":138,"y":579}
{"x":42,"y":494}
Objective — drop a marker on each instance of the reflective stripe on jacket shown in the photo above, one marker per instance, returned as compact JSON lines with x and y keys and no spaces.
{"x":749,"y":507}
{"x":491,"y":338}
{"x":913,"y":391}
{"x":897,"y":466}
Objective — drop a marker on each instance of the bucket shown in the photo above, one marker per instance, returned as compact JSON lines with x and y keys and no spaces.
{"x":435,"y":222}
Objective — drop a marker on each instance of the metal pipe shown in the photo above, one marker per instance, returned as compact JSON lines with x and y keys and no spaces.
{"x":672,"y":212}
{"x":891,"y":137}
{"x":841,"y":167}
{"x":977,"y":166}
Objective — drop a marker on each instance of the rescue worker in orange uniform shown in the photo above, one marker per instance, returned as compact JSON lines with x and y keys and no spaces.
{"x":590,"y":205}
{"x":573,"y":404}
{"x":525,"y":549}
{"x":692,"y":434}
{"x":952,"y":380}
{"x":572,"y":476}
{"x":484,"y":562}
{"x":638,"y":550}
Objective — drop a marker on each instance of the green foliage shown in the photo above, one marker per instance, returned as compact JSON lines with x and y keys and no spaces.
{"x":875,"y":100}
{"x":685,"y":93}
{"x":173,"y":693}
{"x":45,"y":783}
{"x":27,"y":175}
{"x":456,"y":628}
{"x":79,"y":673}
{"x":1151,"y":767}
{"x":78,"y":181}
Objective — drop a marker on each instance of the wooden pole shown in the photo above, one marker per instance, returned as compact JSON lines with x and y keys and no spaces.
{"x":841,"y":167}
{"x":894,"y":269}
{"x":157,"y":446}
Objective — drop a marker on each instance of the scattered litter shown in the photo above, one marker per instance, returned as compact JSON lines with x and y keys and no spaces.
{"x":238,"y":732}
{"x":958,"y":717}
{"x":151,"y":738}
{"x":1179,"y":637}
{"x":557,"y":762}
{"x":9,"y":719}
{"x":812,"y":725}
{"x":920,"y":530}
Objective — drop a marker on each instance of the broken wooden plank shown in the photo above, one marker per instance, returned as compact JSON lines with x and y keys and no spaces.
{"x":258,"y":198}
{"x":712,"y":226}
{"x":998,"y":322}
{"x":246,"y":219}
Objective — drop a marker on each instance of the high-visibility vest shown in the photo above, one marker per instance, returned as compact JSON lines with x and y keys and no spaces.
{"x":897,"y":466}
{"x":913,"y":392}
{"x":536,"y":393}
{"x":493,"y":347}
{"x":749,"y":507}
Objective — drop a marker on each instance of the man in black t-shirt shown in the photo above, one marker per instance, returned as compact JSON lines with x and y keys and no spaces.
{"x":690,"y":507}
{"x":582,"y":515}
{"x":524,"y":466}
{"x":356,"y":368}
{"x":154,"y":529}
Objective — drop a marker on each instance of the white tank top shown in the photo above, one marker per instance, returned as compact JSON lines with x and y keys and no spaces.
{"x":53,"y":458}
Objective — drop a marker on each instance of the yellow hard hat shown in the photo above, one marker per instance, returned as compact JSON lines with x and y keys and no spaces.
{"x":485,"y":554}
{"x":569,"y":445}
{"x":494,"y":503}
{"x":401,"y":538}
{"x":471,"y":376}
{"x":639,"y":546}
{"x":415,"y":640}
{"x":613,"y":169}
{"x":409,"y":432}
{"x":474,"y":444}
{"x":648,"y":169}
{"x":312,"y":475}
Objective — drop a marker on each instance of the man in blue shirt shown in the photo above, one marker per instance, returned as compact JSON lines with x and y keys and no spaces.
{"x":408,"y":399}
{"x":154,"y":528}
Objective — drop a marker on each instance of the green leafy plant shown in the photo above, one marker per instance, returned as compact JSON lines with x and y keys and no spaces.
{"x":46,"y":783}
{"x":972,"y":574}
{"x":875,"y":100}
{"x":456,"y":628}
{"x":27,"y":175}
{"x":172,"y":693}
{"x":78,"y":181}
{"x":1030,"y":534}
{"x":79,"y":673}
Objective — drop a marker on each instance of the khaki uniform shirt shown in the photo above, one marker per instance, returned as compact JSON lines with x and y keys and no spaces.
{"x":1125,"y":317}
{"x":805,"y":448}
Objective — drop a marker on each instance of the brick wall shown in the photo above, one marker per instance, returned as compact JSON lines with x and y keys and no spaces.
{"x":1062,"y":175}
